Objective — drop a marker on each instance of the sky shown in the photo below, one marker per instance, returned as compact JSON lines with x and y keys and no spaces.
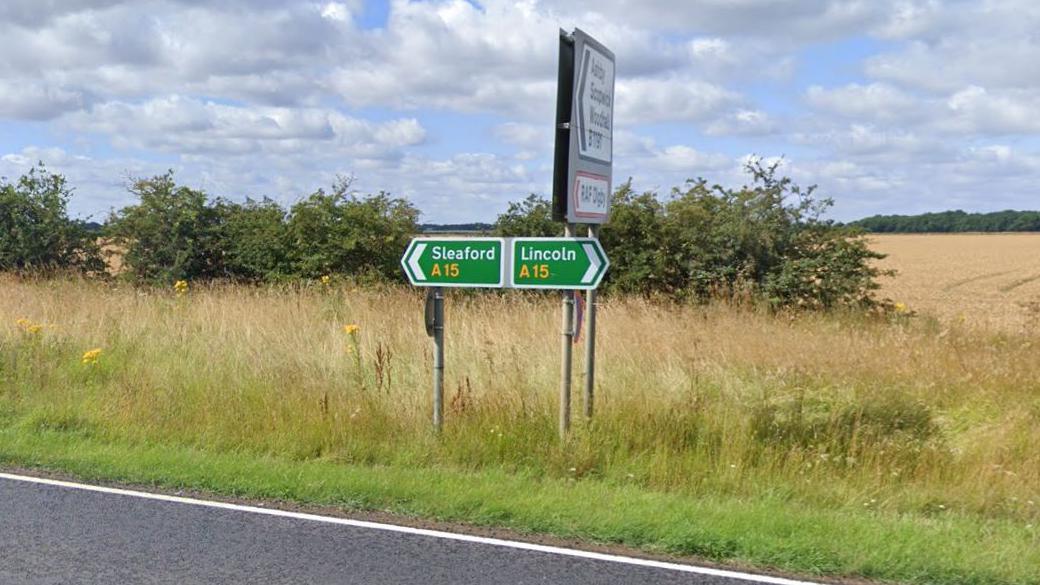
{"x":889,"y":106}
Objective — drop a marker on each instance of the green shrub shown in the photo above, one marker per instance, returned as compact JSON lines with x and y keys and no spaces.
{"x":171,"y":234}
{"x":825,"y":267}
{"x":175,"y":233}
{"x":530,"y":217}
{"x":633,"y":239}
{"x":254,"y":238}
{"x":336,"y":232}
{"x":36,"y":234}
{"x":766,"y":240}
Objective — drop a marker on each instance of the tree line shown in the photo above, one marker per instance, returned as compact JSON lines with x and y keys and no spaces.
{"x":953,"y":221}
{"x":766,"y":241}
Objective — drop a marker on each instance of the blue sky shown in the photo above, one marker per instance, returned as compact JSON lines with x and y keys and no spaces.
{"x":890,"y":106}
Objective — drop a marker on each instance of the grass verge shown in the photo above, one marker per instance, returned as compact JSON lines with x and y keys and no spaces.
{"x":764,"y":532}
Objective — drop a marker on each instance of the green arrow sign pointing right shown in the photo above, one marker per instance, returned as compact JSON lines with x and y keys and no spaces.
{"x":560,"y":263}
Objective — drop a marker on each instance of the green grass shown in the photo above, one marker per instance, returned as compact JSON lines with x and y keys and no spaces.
{"x":901,"y":448}
{"x":761,"y":532}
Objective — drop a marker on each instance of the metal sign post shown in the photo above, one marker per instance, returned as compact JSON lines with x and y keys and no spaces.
{"x":434,"y":317}
{"x":582,"y":189}
{"x":438,"y":357}
{"x":590,"y":341}
{"x":457,"y":262}
{"x":566,"y":341}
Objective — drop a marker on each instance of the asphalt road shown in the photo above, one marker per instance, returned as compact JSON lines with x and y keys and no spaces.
{"x":53,"y":534}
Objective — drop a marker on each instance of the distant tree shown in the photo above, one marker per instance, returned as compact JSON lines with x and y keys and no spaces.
{"x":952,"y":221}
{"x":477,"y":227}
{"x":36,"y":233}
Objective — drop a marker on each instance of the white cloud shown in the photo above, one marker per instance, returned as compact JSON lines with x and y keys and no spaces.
{"x":37,"y":12}
{"x":891,"y":146}
{"x":275,"y":97}
{"x":660,"y":168}
{"x":29,"y":99}
{"x":182,"y":125}
{"x":804,"y":20}
{"x":976,"y":110}
{"x":99,"y":183}
{"x":743,"y":123}
{"x":967,"y":112}
{"x":871,"y":102}
{"x":337,"y":11}
{"x":453,"y":55}
{"x":991,"y":43}
{"x":644,"y":100}
{"x":531,"y":140}
{"x":462,"y":188}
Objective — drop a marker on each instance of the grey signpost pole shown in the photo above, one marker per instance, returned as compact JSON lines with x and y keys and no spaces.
{"x":590,"y":341}
{"x":582,"y":174}
{"x":477,"y":262}
{"x":566,"y":348}
{"x":438,"y":358}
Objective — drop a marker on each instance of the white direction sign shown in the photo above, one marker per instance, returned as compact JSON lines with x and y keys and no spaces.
{"x":584,"y":155}
{"x":595,"y":105}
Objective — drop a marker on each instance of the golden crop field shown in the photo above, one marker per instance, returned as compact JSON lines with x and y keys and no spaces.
{"x":989,"y":280}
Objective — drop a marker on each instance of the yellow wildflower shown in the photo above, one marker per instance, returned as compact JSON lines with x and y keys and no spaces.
{"x":325,"y":280}
{"x":28,"y":326}
{"x":91,"y":357}
{"x":351,"y":329}
{"x":901,"y":308}
{"x":181,"y":286}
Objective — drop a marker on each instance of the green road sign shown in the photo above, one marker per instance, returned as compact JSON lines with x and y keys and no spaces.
{"x":471,"y":262}
{"x":561,"y":263}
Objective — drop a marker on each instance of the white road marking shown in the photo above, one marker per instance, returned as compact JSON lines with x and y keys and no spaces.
{"x":554,"y":550}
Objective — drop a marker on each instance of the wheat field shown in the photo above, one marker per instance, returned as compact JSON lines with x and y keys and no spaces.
{"x":987,"y":280}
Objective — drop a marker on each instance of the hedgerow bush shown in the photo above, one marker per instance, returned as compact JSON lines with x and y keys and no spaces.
{"x":766,"y":241}
{"x":175,"y":233}
{"x":36,"y":233}
{"x":171,"y":234}
{"x":336,"y":232}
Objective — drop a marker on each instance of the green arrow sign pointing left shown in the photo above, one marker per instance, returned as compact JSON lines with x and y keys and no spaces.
{"x":561,"y":263}
{"x":473,"y":262}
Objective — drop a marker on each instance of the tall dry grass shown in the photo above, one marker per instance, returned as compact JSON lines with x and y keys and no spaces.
{"x":900,"y":414}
